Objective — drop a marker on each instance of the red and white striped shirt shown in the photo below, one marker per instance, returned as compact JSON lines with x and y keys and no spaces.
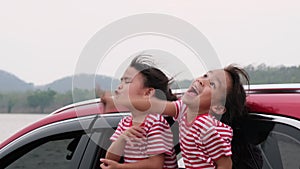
{"x":202,"y":141}
{"x":158,"y":139}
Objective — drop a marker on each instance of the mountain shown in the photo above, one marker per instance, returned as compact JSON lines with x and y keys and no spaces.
{"x":82,"y":81}
{"x":10,"y":83}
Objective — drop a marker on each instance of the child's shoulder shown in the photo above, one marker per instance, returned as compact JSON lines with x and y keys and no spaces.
{"x":178,"y":102}
{"x":204,"y":120}
{"x":126,"y":119}
{"x":209,"y":121}
{"x":155,"y":117}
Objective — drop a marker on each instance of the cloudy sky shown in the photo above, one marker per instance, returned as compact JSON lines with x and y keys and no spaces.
{"x":42,"y":41}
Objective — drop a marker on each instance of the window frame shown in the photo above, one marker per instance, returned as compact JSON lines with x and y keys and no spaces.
{"x":106,"y":124}
{"x":288,"y":125}
{"x":43,"y":134}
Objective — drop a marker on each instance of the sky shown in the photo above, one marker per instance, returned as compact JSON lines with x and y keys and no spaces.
{"x":42,"y":41}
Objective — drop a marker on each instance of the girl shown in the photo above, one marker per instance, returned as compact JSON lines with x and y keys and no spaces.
{"x":205,"y":141}
{"x":145,"y":139}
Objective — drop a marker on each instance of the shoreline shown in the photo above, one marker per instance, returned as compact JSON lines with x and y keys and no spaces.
{"x":10,"y":123}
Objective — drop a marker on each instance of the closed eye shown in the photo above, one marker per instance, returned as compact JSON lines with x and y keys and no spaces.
{"x":212,"y":84}
{"x":126,"y":80}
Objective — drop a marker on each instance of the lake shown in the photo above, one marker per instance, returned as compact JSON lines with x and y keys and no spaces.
{"x":11,"y":123}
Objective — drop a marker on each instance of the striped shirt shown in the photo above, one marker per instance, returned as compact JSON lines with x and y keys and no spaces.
{"x":203,"y":140}
{"x":158,"y":139}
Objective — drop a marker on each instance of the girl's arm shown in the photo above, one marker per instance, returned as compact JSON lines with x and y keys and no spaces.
{"x":107,"y":99}
{"x":116,"y":149}
{"x":224,"y":162}
{"x":153,"y":162}
{"x":150,"y":104}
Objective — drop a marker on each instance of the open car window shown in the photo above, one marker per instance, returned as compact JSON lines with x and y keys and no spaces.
{"x":281,"y":148}
{"x":47,"y":153}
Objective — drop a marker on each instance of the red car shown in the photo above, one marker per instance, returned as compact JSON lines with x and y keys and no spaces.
{"x":77,"y":136}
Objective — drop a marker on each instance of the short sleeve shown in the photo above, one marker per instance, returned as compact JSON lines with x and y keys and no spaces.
{"x":120,"y":129}
{"x":160,"y":138}
{"x":179,"y":109}
{"x":216,"y":144}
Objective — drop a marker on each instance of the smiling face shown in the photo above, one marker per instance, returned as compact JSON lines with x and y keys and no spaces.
{"x":207,"y":91}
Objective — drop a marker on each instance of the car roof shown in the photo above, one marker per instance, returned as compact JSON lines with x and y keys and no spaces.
{"x":277,"y":88}
{"x":80,"y":109}
{"x":280,"y":99}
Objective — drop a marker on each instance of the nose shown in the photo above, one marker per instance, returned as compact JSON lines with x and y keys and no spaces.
{"x":202,"y":81}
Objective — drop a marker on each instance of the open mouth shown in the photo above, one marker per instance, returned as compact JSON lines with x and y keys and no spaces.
{"x":193,"y":91}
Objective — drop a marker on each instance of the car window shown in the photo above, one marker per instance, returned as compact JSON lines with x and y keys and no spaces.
{"x":103,"y":129}
{"x":61,"y":144}
{"x":97,"y":148}
{"x":47,"y":153}
{"x":281,"y":149}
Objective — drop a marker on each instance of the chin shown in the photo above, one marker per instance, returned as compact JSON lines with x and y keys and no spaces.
{"x":184,"y":99}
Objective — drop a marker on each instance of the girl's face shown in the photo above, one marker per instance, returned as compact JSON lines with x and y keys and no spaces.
{"x":207,"y":90}
{"x":132,"y":85}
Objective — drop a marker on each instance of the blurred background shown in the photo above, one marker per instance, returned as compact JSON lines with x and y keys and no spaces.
{"x":41,"y":42}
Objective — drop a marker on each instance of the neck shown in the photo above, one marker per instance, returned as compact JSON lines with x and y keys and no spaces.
{"x":192,"y":114}
{"x":195,"y":111}
{"x":138,"y":117}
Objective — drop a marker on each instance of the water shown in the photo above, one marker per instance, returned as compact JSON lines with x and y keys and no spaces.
{"x":11,"y":123}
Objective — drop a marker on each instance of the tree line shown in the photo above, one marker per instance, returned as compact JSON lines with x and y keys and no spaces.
{"x":263,"y":74}
{"x":40,"y":101}
{"x":46,"y":101}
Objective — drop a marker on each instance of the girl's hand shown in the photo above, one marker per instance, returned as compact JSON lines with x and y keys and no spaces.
{"x":133,"y":133}
{"x":107,"y":99}
{"x":102,"y":94}
{"x":109,"y":164}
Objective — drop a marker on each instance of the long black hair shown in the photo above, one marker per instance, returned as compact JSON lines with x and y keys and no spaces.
{"x":245,"y":154}
{"x":235,"y":103}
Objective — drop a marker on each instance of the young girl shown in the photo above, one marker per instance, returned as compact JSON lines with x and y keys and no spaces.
{"x":145,"y":139}
{"x":205,"y":142}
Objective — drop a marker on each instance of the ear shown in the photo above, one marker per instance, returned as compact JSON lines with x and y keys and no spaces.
{"x":150,"y":92}
{"x":218,"y":109}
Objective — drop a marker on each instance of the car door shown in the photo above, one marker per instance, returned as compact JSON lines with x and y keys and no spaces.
{"x":103,"y":129}
{"x":58,"y":145}
{"x":281,"y":146}
{"x":99,"y":142}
